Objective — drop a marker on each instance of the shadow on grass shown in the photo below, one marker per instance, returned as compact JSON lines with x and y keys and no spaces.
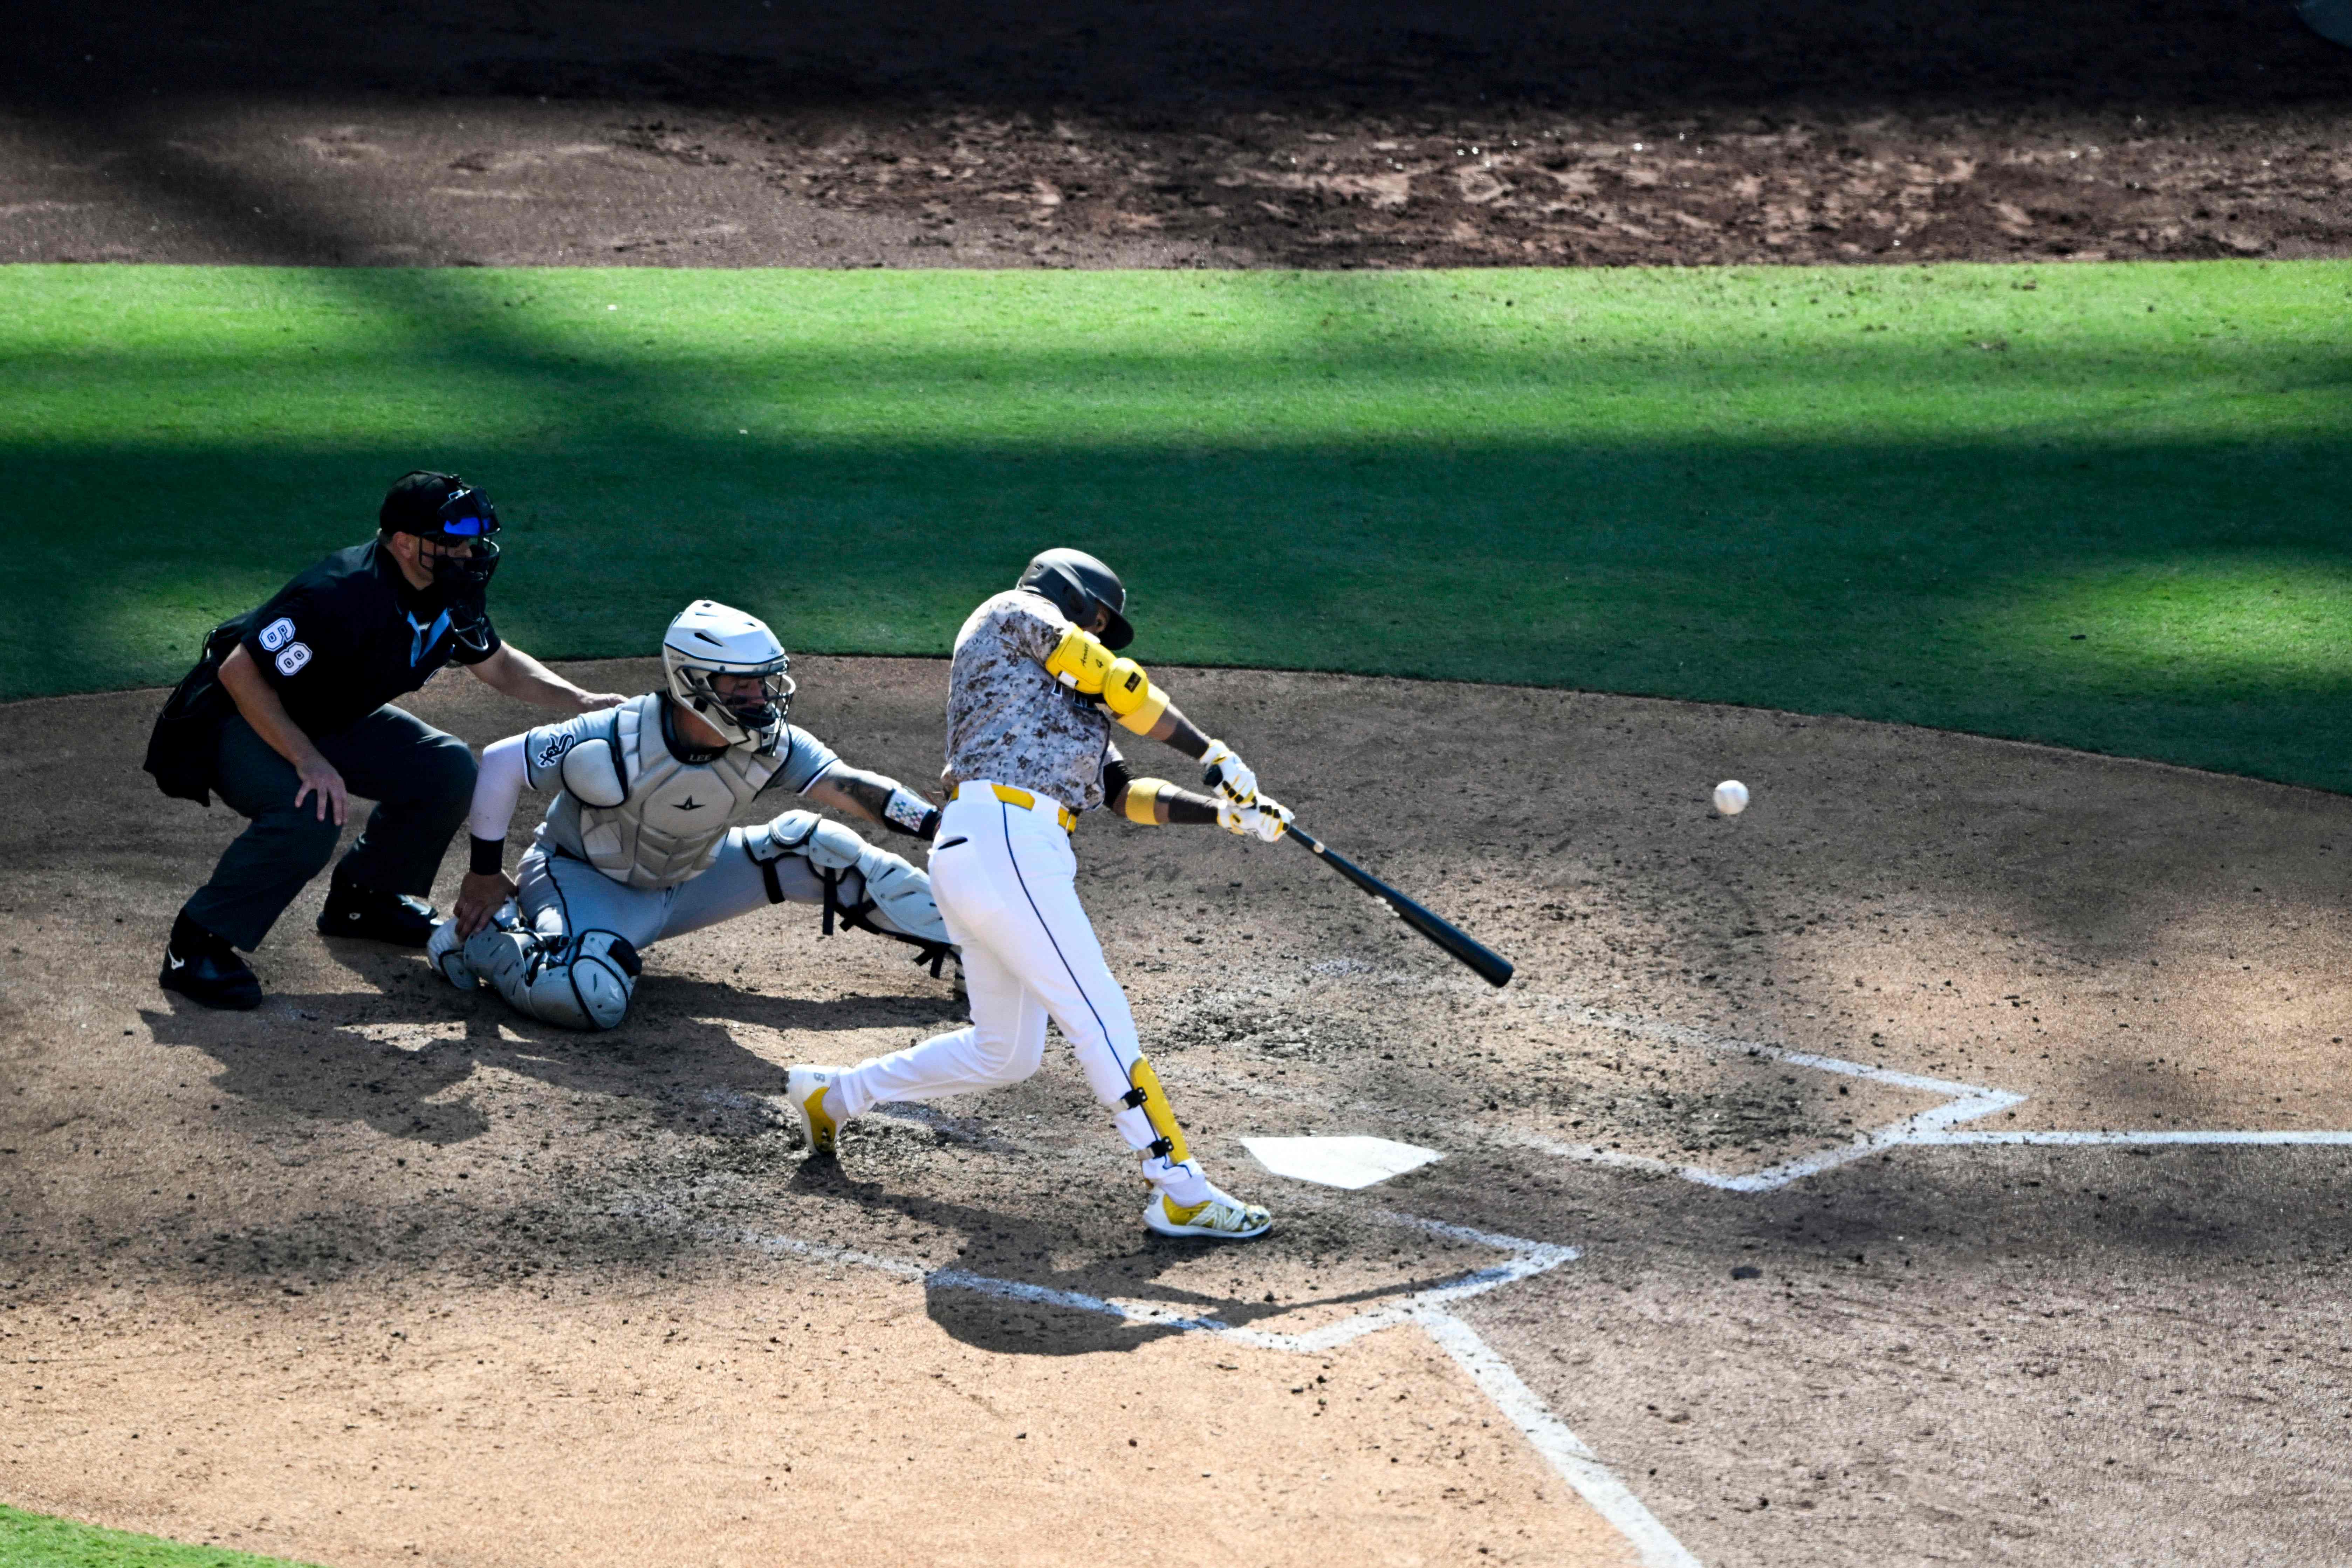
{"x":2179,"y":603}
{"x":2104,"y":510}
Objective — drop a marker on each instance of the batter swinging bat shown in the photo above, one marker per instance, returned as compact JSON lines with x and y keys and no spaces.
{"x":1490,"y":966}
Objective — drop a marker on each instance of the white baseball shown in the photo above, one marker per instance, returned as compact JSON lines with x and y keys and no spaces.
{"x":1731,"y":797}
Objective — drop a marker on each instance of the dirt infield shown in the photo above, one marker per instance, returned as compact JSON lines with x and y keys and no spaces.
{"x":1841,"y":1176}
{"x":1388,"y":133}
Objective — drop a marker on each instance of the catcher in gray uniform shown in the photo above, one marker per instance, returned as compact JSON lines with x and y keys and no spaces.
{"x":655,"y":831}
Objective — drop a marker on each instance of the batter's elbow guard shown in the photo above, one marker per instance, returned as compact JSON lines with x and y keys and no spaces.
{"x":1080,"y":662}
{"x":1128,"y":693}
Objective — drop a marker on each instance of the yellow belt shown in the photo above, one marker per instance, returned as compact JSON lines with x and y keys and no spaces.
{"x":1027,"y":802}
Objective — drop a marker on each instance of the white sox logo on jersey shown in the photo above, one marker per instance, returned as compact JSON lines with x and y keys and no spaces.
{"x":550,"y":751}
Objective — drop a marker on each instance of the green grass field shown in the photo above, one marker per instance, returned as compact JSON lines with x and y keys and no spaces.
{"x":2100,"y":505}
{"x":30,"y":1540}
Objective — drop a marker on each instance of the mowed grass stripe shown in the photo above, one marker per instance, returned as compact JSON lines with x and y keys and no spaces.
{"x":2097,"y":505}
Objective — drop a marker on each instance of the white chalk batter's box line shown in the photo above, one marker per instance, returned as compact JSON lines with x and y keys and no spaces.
{"x":1937,"y":1127}
{"x":1941,"y":1126}
{"x":1569,"y":1456}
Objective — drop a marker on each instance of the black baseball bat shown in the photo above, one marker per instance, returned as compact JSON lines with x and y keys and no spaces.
{"x":1489,"y":965}
{"x":1482,"y":961}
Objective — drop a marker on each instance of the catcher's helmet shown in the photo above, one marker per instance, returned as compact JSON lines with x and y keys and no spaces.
{"x":710,"y":639}
{"x":1078,"y":584}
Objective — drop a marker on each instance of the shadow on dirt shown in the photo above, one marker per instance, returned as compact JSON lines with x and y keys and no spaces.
{"x":1165,"y":63}
{"x":1003,"y":1294}
{"x":325,"y":1056}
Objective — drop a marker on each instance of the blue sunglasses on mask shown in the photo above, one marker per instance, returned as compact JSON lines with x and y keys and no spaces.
{"x":467,"y":514}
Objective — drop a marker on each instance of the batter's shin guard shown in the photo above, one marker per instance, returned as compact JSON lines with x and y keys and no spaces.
{"x":1149,"y":1124}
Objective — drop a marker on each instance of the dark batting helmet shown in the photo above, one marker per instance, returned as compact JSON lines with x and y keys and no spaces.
{"x":1078,"y":584}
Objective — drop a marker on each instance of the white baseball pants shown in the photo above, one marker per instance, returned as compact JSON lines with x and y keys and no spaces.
{"x":1004,"y":876}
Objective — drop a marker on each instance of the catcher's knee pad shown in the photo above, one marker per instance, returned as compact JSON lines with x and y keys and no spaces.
{"x":828,"y":846}
{"x":900,"y":894}
{"x":500,"y":952}
{"x":446,"y":952}
{"x":583,"y":983}
{"x":865,"y":885}
{"x":601,"y":976}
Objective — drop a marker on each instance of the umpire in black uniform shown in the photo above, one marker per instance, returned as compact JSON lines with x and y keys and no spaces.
{"x":289,"y":715}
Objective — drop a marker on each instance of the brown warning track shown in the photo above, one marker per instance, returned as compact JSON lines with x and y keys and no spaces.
{"x":1389,"y":132}
{"x":379,"y":1273}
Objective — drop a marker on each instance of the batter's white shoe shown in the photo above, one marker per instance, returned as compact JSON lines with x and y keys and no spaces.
{"x":805,"y":1088}
{"x":1221,"y":1217}
{"x":446,"y":952}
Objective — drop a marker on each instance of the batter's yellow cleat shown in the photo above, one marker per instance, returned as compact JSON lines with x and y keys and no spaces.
{"x":805,"y":1088}
{"x":1220,"y":1217}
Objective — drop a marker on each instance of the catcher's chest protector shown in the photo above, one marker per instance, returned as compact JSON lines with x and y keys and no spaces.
{"x":677,"y":814}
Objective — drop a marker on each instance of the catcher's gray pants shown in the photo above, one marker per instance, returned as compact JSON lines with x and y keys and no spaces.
{"x":563,"y":901}
{"x":560,"y":897}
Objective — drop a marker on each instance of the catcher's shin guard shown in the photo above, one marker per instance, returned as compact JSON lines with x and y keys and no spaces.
{"x":865,"y":886}
{"x":581,"y":983}
{"x":447,"y":953}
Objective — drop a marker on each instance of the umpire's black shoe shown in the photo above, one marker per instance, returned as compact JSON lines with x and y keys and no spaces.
{"x":203,"y":968}
{"x":395,"y":918}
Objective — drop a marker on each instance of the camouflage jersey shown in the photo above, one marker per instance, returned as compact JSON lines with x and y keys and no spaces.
{"x":1008,"y":721}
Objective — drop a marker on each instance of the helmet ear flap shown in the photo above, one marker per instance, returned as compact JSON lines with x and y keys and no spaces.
{"x":1062,"y":590}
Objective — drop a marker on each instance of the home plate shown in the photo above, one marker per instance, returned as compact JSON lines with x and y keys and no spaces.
{"x":1337,"y":1161}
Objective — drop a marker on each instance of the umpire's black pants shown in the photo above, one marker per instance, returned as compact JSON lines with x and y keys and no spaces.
{"x":420,"y":779}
